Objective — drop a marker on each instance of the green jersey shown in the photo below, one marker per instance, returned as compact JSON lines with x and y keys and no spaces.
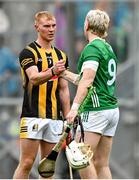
{"x":103,"y":94}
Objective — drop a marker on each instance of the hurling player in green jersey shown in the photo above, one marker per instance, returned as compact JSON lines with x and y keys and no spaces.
{"x":97,"y":67}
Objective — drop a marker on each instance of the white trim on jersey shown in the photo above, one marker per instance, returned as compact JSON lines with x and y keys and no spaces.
{"x":96,"y":39}
{"x":91,"y":65}
{"x":95,"y":99}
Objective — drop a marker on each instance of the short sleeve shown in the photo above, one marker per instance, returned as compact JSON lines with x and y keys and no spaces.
{"x":26,"y":58}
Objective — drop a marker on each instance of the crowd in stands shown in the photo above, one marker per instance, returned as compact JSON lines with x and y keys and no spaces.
{"x":120,"y":13}
{"x":8,"y":71}
{"x":121,"y":23}
{"x":12,"y":33}
{"x":8,"y":60}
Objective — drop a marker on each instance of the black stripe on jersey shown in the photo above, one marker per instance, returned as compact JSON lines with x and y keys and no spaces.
{"x":49,"y":88}
{"x":35,"y":100}
{"x":59,"y":55}
{"x":67,"y":63}
{"x":58,"y":105}
{"x":48,"y":99}
{"x":33,"y":45}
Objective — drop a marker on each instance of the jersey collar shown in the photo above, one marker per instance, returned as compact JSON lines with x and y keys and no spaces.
{"x":96,"y":39}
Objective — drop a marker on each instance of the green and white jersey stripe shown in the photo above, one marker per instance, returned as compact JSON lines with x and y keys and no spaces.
{"x":103,"y":94}
{"x":95,"y":99}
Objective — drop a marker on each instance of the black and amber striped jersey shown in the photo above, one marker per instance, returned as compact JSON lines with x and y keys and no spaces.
{"x":43,"y":100}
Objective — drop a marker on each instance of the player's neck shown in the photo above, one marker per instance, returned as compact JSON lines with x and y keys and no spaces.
{"x":91,"y":37}
{"x":44,"y":44}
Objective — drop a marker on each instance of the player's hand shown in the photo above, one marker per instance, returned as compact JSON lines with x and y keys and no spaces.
{"x":62,"y":74}
{"x":71,"y":116}
{"x":58,"y":67}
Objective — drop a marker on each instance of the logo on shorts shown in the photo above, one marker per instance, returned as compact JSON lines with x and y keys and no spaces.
{"x":35,"y":127}
{"x":85,"y":116}
{"x":23,"y":129}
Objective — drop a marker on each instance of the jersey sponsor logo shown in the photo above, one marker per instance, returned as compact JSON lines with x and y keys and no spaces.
{"x":40,"y":60}
{"x":49,"y":59}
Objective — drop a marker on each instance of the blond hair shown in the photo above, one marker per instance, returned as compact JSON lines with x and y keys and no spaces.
{"x":43,"y":14}
{"x":98,"y":22}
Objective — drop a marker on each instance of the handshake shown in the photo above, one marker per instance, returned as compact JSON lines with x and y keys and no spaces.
{"x":59,"y":70}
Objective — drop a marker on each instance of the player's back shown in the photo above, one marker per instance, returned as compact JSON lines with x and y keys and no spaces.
{"x":103,"y":96}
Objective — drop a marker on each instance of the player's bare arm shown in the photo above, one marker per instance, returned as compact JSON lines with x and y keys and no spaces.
{"x":85,"y":82}
{"x":70,"y":76}
{"x":38,"y":78}
{"x":64,"y":96}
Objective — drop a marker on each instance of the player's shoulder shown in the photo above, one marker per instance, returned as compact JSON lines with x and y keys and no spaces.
{"x":97,"y":45}
{"x":91,"y":47}
{"x":26,"y":51}
{"x":60,"y":50}
{"x":98,"y":42}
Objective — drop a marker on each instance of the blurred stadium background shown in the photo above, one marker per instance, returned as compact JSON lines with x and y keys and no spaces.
{"x":16,"y":30}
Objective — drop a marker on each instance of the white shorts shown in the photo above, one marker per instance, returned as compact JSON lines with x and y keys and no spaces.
{"x":41,"y":129}
{"x":103,"y":122}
